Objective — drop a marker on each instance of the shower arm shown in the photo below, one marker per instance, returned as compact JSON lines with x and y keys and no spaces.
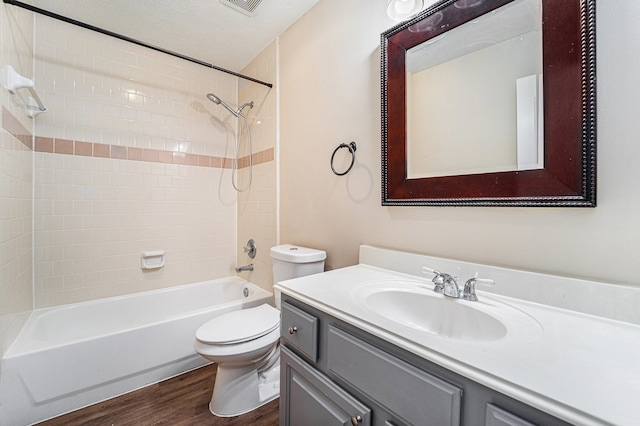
{"x":248,"y":104}
{"x":216,"y":100}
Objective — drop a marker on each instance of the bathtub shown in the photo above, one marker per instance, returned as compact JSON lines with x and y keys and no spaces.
{"x":71,"y":356}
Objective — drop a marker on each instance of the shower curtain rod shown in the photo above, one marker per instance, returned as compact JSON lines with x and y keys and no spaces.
{"x":130,"y":40}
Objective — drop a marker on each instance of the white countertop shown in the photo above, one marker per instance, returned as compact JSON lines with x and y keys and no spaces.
{"x":581,"y":368}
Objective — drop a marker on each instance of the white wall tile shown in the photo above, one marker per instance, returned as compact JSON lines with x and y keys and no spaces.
{"x":96,"y":215}
{"x":256,"y":207}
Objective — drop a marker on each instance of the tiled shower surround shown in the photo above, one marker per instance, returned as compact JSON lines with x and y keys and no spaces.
{"x":16,"y":177}
{"x":257,"y":215}
{"x":16,"y":166}
{"x":132,"y":157}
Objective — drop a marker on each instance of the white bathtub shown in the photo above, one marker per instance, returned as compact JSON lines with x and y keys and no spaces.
{"x":72,"y":356}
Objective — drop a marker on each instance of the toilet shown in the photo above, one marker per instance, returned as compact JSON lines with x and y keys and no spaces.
{"x":245,"y":343}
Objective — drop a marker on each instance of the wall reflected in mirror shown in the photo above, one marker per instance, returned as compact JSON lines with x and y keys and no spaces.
{"x":474,"y":94}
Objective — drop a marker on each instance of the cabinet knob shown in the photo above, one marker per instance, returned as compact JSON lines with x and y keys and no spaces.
{"x":293,"y":330}
{"x":355,"y":421}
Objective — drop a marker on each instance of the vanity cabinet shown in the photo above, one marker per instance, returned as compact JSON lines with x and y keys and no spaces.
{"x":313,"y":399}
{"x":333,"y":373}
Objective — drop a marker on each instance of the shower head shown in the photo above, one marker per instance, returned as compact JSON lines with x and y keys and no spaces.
{"x":216,"y":100}
{"x":213,"y":98}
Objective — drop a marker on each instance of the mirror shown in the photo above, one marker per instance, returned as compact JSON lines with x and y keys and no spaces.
{"x":497,"y":58}
{"x":490,"y":103}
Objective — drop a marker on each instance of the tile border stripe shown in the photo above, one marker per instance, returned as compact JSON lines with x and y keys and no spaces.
{"x":119,"y":152}
{"x":12,"y":125}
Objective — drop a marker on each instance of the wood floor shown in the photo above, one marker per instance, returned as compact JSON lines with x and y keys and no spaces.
{"x":180,"y":401}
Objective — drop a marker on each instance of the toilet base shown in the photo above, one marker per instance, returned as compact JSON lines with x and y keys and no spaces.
{"x":239,"y":390}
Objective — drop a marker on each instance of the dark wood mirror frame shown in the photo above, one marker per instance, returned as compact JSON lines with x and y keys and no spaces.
{"x":569,"y":175}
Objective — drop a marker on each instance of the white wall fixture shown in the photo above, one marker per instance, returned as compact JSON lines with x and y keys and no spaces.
{"x":400,"y":10}
{"x":152,"y":259}
{"x":247,"y":7}
{"x":12,"y":81}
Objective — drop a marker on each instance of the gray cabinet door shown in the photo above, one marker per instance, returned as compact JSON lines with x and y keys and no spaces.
{"x":309,"y":398}
{"x":417,"y":397}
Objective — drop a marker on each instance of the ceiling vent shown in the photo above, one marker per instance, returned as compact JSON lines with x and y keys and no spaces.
{"x":245,"y":6}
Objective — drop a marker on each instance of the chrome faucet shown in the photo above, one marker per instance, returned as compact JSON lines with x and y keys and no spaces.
{"x":248,"y":267}
{"x":451,"y":288}
{"x":443,"y":283}
{"x":447,"y":285}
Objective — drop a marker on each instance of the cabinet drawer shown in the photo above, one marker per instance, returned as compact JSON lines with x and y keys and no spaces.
{"x":310,"y":398}
{"x":499,"y":417}
{"x":413,"y":395}
{"x":300,"y":330}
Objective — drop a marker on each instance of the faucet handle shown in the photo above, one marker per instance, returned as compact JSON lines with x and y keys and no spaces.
{"x":250,"y":249}
{"x":426,"y":270}
{"x":469,"y":290}
{"x":438,"y":280}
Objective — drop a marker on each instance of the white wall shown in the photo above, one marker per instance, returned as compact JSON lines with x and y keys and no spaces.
{"x":330,"y":93}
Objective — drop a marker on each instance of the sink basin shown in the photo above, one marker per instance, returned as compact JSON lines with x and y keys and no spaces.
{"x":415,"y":306}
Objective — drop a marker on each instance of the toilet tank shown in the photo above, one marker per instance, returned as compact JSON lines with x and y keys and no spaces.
{"x":290,"y":261}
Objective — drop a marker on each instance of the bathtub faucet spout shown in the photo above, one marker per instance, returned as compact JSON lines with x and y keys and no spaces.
{"x":248,"y":267}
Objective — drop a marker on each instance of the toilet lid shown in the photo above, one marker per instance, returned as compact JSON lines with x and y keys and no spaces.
{"x":239,"y":326}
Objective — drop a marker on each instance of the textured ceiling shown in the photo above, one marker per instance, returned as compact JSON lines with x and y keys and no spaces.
{"x":206,"y":30}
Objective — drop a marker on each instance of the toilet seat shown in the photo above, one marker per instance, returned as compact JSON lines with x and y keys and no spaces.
{"x":238,"y":350}
{"x":239,"y":326}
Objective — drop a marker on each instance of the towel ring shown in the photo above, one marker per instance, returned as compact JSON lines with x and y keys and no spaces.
{"x":352,"y":149}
